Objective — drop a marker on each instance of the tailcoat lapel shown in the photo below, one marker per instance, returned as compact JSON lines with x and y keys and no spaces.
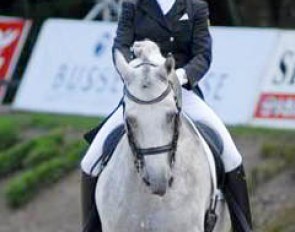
{"x":177,"y":10}
{"x":175,"y":13}
{"x":152,"y":9}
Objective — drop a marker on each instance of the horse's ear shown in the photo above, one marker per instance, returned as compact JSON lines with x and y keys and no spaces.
{"x":121,"y":65}
{"x":169,"y":64}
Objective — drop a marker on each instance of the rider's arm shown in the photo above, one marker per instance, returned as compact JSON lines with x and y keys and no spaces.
{"x":201,"y":45}
{"x":181,"y":75}
{"x":125,"y":31}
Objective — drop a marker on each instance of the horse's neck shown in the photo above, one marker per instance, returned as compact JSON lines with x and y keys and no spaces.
{"x":191,"y":160}
{"x":121,"y":189}
{"x":191,"y":166}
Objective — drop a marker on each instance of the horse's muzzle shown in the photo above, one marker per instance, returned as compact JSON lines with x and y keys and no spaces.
{"x":158,"y":184}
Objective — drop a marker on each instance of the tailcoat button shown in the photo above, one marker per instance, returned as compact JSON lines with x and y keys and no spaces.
{"x":171,"y":39}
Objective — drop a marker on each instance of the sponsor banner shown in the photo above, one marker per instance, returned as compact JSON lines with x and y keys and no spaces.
{"x":13,"y":32}
{"x":276,"y":106}
{"x":240,"y":56}
{"x":71,"y":71}
{"x":276,"y":103}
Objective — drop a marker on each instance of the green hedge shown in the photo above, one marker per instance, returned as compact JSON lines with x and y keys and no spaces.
{"x":266,"y":171}
{"x":8,"y":134}
{"x":11,"y":160}
{"x":30,"y":153}
{"x":283,"y":221}
{"x":25,"y":186}
{"x":284,"y":152}
{"x":276,"y":159}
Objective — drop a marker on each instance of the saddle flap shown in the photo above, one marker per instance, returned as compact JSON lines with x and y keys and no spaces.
{"x":215,"y":143}
{"x":111,"y":143}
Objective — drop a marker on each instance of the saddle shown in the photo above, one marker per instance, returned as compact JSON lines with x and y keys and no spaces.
{"x":212,"y":138}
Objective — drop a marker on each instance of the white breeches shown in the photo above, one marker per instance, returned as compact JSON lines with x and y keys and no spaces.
{"x":194,"y":107}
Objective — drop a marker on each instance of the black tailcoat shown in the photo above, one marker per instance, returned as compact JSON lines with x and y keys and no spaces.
{"x":188,"y":40}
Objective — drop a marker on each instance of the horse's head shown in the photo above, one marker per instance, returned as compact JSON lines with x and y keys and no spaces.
{"x":151,"y":117}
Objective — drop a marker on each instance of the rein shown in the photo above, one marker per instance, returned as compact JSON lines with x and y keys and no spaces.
{"x":140,"y":153}
{"x":150,"y":102}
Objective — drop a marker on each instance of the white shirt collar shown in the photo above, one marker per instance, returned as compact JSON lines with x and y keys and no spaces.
{"x":166,"y":5}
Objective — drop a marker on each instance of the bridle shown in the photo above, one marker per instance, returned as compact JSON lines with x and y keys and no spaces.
{"x":140,"y":153}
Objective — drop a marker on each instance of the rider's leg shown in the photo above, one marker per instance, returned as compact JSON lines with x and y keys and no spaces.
{"x":235,"y":186}
{"x":89,"y":163}
{"x":90,"y":217}
{"x":90,"y":170}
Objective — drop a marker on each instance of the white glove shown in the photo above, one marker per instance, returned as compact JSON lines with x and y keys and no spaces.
{"x":181,"y":75}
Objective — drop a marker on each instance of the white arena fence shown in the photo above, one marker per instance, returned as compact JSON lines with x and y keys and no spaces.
{"x":251,"y":79}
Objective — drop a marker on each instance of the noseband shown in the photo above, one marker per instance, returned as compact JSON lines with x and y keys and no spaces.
{"x":140,"y":153}
{"x":149,"y":102}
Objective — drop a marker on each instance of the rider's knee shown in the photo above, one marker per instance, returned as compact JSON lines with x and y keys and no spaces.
{"x":85,"y":164}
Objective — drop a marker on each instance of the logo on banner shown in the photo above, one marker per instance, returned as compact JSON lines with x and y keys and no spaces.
{"x":103,"y":43}
{"x":286,"y":70}
{"x":278,"y":101}
{"x":98,"y":77}
{"x":214,"y":85}
{"x":10,"y":33}
{"x":276,"y":106}
{"x":7,"y":38}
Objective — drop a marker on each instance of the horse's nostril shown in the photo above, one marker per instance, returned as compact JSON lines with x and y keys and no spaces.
{"x":170,"y":181}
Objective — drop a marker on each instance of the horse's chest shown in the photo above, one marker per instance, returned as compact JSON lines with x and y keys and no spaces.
{"x":135,"y":211}
{"x":126,"y":204}
{"x":133,"y":218}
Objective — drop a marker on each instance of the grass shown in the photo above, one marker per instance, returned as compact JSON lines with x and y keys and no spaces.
{"x":42,"y":160}
{"x":11,"y":159}
{"x":45,"y":148}
{"x":277,"y":157}
{"x":8,"y":134}
{"x":284,"y":152}
{"x":21,"y":189}
{"x":266,"y":171}
{"x":39,"y":149}
{"x":29,"y":120}
{"x":261,"y":131}
{"x":30,"y":152}
{"x":283,"y":222}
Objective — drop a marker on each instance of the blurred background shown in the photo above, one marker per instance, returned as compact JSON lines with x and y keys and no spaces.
{"x":57,"y":82}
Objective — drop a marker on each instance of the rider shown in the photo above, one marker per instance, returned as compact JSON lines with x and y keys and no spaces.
{"x":181,"y":28}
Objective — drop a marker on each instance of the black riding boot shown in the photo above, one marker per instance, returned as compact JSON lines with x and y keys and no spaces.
{"x":236,"y":195}
{"x":90,"y":218}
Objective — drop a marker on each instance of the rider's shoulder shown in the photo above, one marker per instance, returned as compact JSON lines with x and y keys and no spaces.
{"x":199,"y":3}
{"x":199,"y":7}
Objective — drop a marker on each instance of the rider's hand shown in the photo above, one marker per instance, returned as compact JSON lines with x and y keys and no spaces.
{"x":181,"y":75}
{"x":145,"y":49}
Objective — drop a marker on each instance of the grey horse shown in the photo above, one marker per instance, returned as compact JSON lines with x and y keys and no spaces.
{"x":152,"y":182}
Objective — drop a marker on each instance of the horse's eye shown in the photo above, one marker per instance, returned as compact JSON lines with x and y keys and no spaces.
{"x":170,"y":117}
{"x":162,"y":77}
{"x":132,"y":121}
